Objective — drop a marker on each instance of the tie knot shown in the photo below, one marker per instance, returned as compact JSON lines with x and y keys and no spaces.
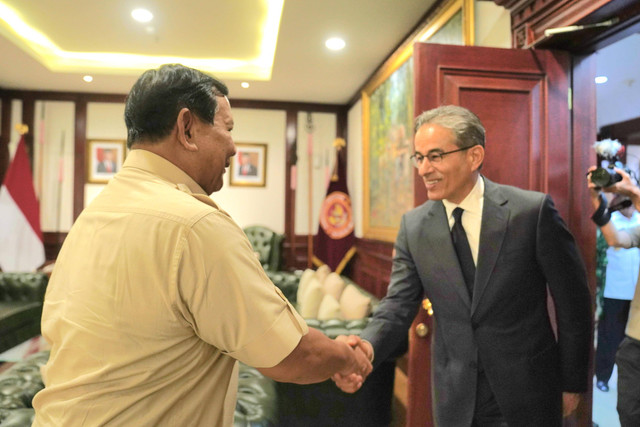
{"x":457,"y":214}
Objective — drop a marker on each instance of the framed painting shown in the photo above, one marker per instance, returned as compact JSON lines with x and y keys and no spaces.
{"x":249,"y":166}
{"x":387,"y":123}
{"x":104,"y":159}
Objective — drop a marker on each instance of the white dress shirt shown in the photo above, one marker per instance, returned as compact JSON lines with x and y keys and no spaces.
{"x":471,"y":217}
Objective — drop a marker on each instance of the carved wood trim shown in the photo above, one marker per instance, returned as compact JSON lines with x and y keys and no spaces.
{"x":530,"y":18}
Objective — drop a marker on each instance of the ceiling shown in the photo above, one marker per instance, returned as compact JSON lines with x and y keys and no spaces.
{"x":619,"y":97}
{"x":289,"y":61}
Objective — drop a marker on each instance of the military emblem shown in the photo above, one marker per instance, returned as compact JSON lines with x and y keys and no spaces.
{"x":336,"y":218}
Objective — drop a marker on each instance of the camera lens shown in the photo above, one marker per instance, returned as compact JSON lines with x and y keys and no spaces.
{"x":605,"y":177}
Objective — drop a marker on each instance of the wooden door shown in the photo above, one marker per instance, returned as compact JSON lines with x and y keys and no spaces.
{"x":522,"y":98}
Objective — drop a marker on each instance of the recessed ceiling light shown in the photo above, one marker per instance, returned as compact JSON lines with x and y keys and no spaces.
{"x":601,"y":79}
{"x":244,"y":85}
{"x":87,"y":79}
{"x":335,"y":43}
{"x":142,"y":15}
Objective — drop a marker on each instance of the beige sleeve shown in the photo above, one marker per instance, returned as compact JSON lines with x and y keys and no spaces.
{"x":229,"y":300}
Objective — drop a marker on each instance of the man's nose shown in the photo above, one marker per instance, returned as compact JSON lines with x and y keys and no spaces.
{"x":425,"y":167}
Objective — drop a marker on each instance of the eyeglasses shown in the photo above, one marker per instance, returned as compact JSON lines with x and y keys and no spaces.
{"x":435,"y":157}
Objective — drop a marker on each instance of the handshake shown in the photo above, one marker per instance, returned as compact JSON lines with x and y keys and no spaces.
{"x":351,"y":379}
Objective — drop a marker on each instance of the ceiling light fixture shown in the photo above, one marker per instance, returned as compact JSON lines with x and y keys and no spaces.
{"x":56,"y":59}
{"x":141,"y":15}
{"x":601,"y":79}
{"x":244,"y":84}
{"x":335,"y":43}
{"x":88,"y":79}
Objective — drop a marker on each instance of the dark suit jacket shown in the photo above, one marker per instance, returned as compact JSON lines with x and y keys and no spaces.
{"x":525,"y":247}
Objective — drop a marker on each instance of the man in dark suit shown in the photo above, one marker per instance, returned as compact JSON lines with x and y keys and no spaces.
{"x":496,"y":360}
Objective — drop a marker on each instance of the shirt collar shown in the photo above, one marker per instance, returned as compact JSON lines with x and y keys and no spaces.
{"x":163,"y":168}
{"x":472,"y":203}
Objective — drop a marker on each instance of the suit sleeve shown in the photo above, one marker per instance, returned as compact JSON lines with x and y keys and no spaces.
{"x":389,"y":326}
{"x":562,"y":266}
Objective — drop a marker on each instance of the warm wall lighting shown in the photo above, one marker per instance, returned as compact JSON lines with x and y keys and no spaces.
{"x":601,"y":79}
{"x":244,"y":85}
{"x":142,"y":15}
{"x":88,"y":79}
{"x":56,"y":59}
{"x":335,"y":43}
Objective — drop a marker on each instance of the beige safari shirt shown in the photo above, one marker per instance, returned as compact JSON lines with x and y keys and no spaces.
{"x":155,"y":295}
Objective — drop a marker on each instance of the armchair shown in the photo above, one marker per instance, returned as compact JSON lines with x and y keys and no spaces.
{"x":323,"y":404}
{"x":267,"y":244}
{"x":256,"y":405}
{"x":21,"y":297}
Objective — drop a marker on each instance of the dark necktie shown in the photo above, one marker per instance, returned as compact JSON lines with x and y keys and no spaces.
{"x":463,"y":250}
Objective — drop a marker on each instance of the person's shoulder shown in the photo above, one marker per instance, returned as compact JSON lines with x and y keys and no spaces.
{"x":155,"y":196}
{"x":421,"y":210}
{"x":511,"y":192}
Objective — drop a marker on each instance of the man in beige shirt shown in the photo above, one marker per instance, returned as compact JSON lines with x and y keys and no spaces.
{"x":156,"y":292}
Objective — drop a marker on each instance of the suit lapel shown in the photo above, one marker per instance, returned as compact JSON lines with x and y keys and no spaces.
{"x":436,"y":247}
{"x":495,"y":216}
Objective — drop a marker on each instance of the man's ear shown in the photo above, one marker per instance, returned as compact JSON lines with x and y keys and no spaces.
{"x":185,"y":124}
{"x":477,"y":156}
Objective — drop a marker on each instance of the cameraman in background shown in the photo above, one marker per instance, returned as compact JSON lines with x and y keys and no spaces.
{"x":619,"y":284}
{"x":628,"y":355}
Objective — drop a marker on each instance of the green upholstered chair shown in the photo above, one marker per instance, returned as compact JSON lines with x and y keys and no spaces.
{"x":268,"y":244}
{"x":21,"y":297}
{"x":323,"y":404}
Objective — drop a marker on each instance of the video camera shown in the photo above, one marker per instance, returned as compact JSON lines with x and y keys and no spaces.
{"x":610,"y":150}
{"x":606,"y":177}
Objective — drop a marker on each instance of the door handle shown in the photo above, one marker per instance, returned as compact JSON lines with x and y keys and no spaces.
{"x":422,"y":330}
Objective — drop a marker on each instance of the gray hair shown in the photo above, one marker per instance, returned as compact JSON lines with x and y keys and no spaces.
{"x":465,"y":125}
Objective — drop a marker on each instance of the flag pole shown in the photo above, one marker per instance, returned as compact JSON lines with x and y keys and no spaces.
{"x":309,"y":128}
{"x":60,"y":182}
{"x":40,"y":187}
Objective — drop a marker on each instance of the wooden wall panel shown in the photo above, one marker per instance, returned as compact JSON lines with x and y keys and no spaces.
{"x":52,"y":244}
{"x":371,"y":266}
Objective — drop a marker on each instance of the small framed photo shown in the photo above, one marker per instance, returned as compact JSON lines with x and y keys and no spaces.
{"x":104,"y":159}
{"x":249,"y":166}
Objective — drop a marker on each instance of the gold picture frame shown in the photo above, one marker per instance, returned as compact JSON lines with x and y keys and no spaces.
{"x":104,"y":158}
{"x":249,"y":165}
{"x":387,"y":123}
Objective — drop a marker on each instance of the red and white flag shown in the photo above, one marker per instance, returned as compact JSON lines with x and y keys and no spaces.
{"x":21,"y":244}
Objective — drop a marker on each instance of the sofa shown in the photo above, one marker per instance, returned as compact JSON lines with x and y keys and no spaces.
{"x":323,"y":404}
{"x":21,"y":299}
{"x":261,"y":402}
{"x":256,"y":406}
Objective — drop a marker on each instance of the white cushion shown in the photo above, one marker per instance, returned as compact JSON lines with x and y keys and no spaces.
{"x":307,"y":275}
{"x":354,"y":304}
{"x":329,"y":308}
{"x":334,"y":285}
{"x":322,"y":272}
{"x":311,"y":299}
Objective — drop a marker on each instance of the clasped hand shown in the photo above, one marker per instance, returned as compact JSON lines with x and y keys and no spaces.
{"x":352,"y":379}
